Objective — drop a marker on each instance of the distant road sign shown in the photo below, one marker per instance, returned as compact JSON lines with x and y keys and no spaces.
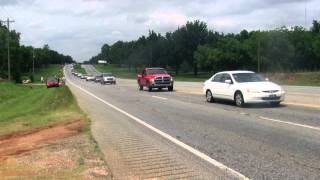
{"x":102,"y":61}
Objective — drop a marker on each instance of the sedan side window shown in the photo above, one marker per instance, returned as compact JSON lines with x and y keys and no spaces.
{"x":217,"y":78}
{"x":225,"y":77}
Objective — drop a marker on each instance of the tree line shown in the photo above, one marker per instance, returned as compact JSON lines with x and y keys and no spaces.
{"x":195,"y":48}
{"x":22,"y":57}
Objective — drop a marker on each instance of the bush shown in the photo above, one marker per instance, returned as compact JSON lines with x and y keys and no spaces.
{"x":31,"y":78}
{"x":185,"y":67}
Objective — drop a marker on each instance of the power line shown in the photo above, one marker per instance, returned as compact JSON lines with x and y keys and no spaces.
{"x":8,"y":21}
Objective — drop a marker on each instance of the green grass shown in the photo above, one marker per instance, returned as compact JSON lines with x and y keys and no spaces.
{"x":120,"y":72}
{"x":26,"y":107}
{"x":79,"y":69}
{"x":297,"y":79}
{"x":123,"y":72}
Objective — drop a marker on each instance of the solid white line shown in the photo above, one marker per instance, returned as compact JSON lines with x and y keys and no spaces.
{"x":158,"y":97}
{"x":170,"y":138}
{"x":290,"y":123}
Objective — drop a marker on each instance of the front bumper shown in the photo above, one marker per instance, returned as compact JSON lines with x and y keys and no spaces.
{"x":160,"y":85}
{"x":109,"y":81}
{"x":264,"y":97}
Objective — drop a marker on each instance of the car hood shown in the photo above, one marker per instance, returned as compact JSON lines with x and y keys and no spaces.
{"x":152,"y":76}
{"x":261,"y":86}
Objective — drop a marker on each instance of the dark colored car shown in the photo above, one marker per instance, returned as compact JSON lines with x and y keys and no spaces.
{"x":52,"y":82}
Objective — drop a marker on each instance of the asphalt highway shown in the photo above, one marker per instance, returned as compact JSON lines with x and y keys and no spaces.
{"x":259,"y":141}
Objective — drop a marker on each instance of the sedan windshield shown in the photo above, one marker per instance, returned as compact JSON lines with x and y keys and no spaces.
{"x":247,"y":77}
{"x":156,"y":71}
{"x":106,"y":74}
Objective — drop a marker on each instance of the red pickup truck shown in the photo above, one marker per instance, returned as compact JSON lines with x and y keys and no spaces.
{"x":155,"y":78}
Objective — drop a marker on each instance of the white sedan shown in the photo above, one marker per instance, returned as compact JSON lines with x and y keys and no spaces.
{"x":242,"y":87}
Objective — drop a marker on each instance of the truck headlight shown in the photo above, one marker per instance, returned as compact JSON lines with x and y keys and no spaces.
{"x":171,"y":79}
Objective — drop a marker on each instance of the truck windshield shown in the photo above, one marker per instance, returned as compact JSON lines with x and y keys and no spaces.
{"x":156,"y":71}
{"x":247,"y":77}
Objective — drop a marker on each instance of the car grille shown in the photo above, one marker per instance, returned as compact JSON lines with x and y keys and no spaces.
{"x":109,"y":79}
{"x":271,"y":91}
{"x":162,"y":80}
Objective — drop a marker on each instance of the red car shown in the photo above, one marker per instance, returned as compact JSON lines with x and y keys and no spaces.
{"x":52,"y":82}
{"x":155,"y":78}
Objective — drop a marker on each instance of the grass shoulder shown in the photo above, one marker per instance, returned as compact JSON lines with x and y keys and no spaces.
{"x":45,"y":135}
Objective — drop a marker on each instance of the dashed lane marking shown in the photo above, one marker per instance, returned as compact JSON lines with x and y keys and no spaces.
{"x":290,"y":123}
{"x":158,"y":97}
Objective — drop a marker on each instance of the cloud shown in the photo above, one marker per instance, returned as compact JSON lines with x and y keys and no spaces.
{"x":80,"y":27}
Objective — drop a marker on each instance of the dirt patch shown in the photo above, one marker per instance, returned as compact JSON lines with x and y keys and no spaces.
{"x":27,"y":141}
{"x":59,"y":152}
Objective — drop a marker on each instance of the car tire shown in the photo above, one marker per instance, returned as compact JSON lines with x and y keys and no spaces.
{"x":238,"y":99}
{"x":275,"y":104}
{"x":149,"y":88}
{"x":170,"y":88}
{"x":209,"y":96}
{"x":140,"y":87}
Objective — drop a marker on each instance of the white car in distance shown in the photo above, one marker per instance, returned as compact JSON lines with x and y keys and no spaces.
{"x":242,"y":87}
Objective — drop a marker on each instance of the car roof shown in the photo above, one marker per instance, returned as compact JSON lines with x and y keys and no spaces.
{"x":235,"y":72}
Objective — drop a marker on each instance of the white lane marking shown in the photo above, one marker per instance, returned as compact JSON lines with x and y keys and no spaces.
{"x":170,"y":138}
{"x":158,"y":97}
{"x":290,"y":123}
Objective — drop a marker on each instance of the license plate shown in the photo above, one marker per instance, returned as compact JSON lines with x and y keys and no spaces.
{"x":272,"y":95}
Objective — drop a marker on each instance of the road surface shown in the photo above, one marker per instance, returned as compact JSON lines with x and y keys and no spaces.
{"x":258,"y":142}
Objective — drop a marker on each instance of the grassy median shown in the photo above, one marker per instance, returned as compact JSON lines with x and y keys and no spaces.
{"x":27,"y":107}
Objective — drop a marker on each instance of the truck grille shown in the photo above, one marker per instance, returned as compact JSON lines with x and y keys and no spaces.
{"x":162,"y":80}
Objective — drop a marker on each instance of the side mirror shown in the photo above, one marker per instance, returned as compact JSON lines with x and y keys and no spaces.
{"x":228,"y":81}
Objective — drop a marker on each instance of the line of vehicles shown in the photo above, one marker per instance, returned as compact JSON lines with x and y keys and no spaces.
{"x":241,"y":87}
{"x":103,"y":78}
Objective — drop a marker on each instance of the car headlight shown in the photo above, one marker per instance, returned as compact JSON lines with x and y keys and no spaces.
{"x":171,"y":79}
{"x":252,"y":90}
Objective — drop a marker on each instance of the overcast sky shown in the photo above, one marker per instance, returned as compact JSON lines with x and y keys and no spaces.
{"x":80,"y":27}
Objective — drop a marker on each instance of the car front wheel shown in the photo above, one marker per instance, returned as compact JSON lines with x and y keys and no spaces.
{"x":209,"y":96}
{"x":170,"y":88}
{"x":238,"y":99}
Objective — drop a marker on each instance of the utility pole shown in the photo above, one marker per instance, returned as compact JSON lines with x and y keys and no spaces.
{"x":8,"y":21}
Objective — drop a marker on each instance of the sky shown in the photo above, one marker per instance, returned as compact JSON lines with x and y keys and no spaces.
{"x":80,"y":27}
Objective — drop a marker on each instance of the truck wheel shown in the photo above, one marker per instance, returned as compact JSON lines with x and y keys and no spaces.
{"x":149,"y":89}
{"x":140,"y":87}
{"x":170,"y":88}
